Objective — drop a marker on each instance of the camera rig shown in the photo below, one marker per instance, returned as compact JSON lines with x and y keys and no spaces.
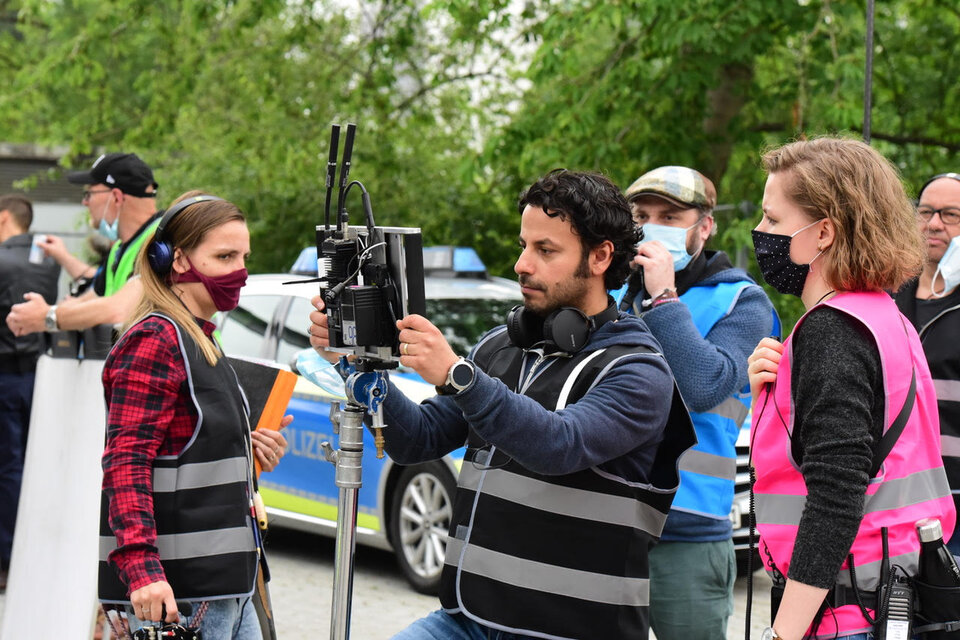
{"x":371,"y":276}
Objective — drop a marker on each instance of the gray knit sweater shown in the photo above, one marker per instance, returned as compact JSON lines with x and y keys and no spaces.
{"x":837,"y":390}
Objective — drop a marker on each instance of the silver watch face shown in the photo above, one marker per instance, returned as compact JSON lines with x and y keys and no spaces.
{"x":461,"y":375}
{"x":768,"y":634}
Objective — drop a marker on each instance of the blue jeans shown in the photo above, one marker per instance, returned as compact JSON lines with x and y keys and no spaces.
{"x":16,"y":396}
{"x":441,"y":625}
{"x":230,"y":619}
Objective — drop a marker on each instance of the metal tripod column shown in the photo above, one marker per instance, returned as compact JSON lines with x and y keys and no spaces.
{"x":349,"y":461}
{"x":365,"y":391}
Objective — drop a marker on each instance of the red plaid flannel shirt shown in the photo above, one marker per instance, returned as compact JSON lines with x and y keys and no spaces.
{"x":149,"y":413}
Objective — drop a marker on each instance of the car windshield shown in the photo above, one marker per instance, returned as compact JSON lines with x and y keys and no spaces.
{"x":464,"y":320}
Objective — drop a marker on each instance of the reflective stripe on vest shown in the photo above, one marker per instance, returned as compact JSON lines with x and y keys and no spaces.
{"x":566,"y":501}
{"x":708,"y":471}
{"x":118,"y":274}
{"x":553,"y":556}
{"x":206,"y":538}
{"x":910,"y":485}
{"x":570,"y":583}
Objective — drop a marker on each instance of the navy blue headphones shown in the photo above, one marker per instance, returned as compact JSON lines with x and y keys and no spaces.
{"x":160,"y":252}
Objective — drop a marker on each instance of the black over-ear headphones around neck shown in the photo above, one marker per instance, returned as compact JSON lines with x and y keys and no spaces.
{"x":160,"y":252}
{"x":566,"y":329}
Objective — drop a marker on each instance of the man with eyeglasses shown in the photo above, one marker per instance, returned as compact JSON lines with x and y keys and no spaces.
{"x":121,"y":197}
{"x":708,"y":317}
{"x":932,"y":304}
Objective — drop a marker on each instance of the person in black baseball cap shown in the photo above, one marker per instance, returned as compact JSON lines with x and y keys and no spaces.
{"x":124,"y":171}
{"x":121,"y":199}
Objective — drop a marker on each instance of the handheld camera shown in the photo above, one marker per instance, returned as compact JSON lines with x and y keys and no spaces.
{"x":370,"y":276}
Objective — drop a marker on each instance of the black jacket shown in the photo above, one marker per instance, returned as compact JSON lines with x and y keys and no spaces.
{"x":17,"y":277}
{"x":939,"y":338}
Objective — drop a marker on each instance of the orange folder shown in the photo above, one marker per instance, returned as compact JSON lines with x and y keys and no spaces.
{"x":268,"y":391}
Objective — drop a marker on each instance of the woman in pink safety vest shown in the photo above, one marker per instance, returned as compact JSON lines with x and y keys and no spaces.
{"x":838,"y":231}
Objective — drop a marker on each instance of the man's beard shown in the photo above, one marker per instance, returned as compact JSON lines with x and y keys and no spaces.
{"x":570,"y":293}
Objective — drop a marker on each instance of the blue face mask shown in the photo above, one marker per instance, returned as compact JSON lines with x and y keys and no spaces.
{"x":108,"y":229}
{"x":673,"y":239}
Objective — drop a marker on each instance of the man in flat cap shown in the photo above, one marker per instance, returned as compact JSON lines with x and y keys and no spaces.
{"x":120,"y":195}
{"x":708,"y":316}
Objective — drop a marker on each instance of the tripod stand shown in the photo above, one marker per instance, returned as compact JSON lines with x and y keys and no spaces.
{"x":365,"y":391}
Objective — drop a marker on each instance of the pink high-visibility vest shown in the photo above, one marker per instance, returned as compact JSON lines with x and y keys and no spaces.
{"x":910,"y":485}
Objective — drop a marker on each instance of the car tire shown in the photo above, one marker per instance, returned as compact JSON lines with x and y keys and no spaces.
{"x":420,"y":512}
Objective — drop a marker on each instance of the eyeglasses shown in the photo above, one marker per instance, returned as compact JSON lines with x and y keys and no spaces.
{"x":89,"y":192}
{"x":948,"y":215}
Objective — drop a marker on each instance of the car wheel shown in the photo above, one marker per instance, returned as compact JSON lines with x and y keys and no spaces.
{"x":420,"y":512}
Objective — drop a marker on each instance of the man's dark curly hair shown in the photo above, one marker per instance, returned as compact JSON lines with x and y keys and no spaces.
{"x":597,"y":210}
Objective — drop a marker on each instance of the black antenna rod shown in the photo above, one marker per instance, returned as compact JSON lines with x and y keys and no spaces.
{"x":868,"y":76}
{"x":331,"y":172}
{"x":344,"y":176}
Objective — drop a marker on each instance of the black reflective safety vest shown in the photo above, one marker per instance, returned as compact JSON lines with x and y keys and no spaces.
{"x":557,"y":556}
{"x":206,"y":537}
{"x":939,"y":339}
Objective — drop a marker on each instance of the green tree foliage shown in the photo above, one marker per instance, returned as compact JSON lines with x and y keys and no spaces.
{"x":461,"y":103}
{"x":237,"y":97}
{"x":622,"y":87}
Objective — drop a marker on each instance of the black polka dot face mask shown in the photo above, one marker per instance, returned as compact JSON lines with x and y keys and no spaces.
{"x":773,"y":258}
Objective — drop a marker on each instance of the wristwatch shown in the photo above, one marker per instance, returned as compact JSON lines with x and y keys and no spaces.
{"x":459,"y":377}
{"x":50,"y":321}
{"x":769,"y":634}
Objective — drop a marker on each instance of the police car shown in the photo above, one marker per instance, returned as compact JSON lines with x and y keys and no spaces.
{"x":405,"y":509}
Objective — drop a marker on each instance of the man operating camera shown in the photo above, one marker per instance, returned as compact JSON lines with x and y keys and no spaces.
{"x":573,"y":427}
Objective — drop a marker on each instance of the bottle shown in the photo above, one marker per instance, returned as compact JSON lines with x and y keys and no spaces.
{"x":36,"y":254}
{"x":937,"y":565}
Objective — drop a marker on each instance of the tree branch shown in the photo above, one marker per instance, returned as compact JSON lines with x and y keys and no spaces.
{"x":923,"y":141}
{"x":424,"y":90}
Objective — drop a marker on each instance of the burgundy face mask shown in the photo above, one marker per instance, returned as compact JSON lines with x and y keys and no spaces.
{"x":224,"y":290}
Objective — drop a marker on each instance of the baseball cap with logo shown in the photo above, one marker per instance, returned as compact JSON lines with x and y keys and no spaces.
{"x":682,"y":186}
{"x":124,"y":171}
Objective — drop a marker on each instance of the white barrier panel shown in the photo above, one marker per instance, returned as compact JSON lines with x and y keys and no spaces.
{"x":52,"y":589}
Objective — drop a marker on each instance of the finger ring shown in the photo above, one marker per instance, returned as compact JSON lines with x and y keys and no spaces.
{"x":403,"y":348}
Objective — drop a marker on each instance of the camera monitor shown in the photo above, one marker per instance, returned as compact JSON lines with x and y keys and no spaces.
{"x":373,"y":277}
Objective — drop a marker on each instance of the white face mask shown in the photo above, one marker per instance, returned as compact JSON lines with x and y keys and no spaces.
{"x":949,"y":268}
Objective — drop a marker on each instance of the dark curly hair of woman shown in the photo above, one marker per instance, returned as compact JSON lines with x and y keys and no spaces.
{"x":597,"y":211}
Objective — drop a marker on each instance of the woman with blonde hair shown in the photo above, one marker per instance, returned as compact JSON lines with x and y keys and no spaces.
{"x":178,"y":485}
{"x":845,"y":439}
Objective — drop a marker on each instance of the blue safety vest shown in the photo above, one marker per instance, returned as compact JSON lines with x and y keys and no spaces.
{"x":708,"y":470}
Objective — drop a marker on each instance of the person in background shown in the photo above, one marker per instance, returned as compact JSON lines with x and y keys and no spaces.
{"x":19,"y":272}
{"x":708,"y":316}
{"x":178,"y":480}
{"x":845,"y":439}
{"x":122,"y":194}
{"x":932,"y":304}
{"x":571,"y":443}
